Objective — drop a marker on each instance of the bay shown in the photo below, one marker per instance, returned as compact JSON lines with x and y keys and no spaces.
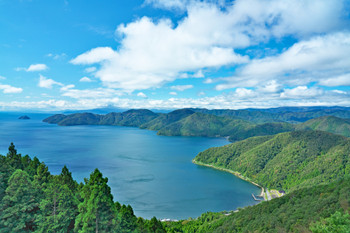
{"x":154,"y":174}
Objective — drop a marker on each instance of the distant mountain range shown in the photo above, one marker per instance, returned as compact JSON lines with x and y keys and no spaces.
{"x":233,"y":124}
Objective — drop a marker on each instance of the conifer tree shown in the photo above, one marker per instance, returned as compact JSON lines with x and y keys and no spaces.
{"x":97,"y":212}
{"x":18,"y":208}
{"x":14,"y":159}
{"x":58,"y":209}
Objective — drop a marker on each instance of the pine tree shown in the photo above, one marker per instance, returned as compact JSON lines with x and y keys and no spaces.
{"x":14,"y":159}
{"x":67,"y":179}
{"x":97,"y":213}
{"x":126,"y":219}
{"x":58,"y":209}
{"x":18,"y":208}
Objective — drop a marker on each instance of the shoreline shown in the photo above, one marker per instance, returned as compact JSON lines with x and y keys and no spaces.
{"x":237,"y":174}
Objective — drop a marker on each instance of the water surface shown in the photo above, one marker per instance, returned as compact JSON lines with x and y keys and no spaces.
{"x":152,"y":173}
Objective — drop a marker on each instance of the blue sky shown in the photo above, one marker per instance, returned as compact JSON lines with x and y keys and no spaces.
{"x":163,"y":54}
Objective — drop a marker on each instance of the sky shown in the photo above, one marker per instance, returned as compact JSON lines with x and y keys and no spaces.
{"x":170,"y":54}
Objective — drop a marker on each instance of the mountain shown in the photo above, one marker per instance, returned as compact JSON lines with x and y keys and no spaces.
{"x":284,"y":114}
{"x":166,"y":119}
{"x":330,"y":124}
{"x":300,"y":211}
{"x":288,"y":161}
{"x":128,"y":118}
{"x":207,"y":125}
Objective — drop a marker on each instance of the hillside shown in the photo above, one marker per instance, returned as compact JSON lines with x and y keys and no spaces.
{"x":33,"y":200}
{"x":299,"y":211}
{"x":166,"y":119}
{"x":330,"y":124}
{"x":206,"y":125}
{"x":286,"y":161}
{"x":128,"y":118}
{"x":181,"y":122}
{"x":284,"y":114}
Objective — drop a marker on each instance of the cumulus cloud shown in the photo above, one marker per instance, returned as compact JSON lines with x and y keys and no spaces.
{"x":154,"y":52}
{"x":33,"y":67}
{"x":313,"y":60}
{"x":94,"y":56}
{"x":47,"y":82}
{"x":181,"y":87}
{"x":341,"y":80}
{"x":172,"y":93}
{"x":141,"y":94}
{"x":8,"y":89}
{"x":85,"y":79}
{"x":2,"y":77}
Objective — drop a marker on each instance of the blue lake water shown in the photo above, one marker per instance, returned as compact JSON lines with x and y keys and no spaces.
{"x":152,"y":173}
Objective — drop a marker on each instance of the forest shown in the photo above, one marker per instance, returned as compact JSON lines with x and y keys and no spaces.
{"x":33,"y":200}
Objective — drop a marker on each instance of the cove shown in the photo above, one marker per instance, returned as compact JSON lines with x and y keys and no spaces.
{"x":154,"y":174}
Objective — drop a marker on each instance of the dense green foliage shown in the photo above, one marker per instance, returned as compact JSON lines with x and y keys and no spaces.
{"x":330,"y":124}
{"x":299,"y":211}
{"x":127,"y":118}
{"x":285,"y":114}
{"x":182,"y":122}
{"x":285,"y":161}
{"x":33,"y":200}
{"x":167,"y":119}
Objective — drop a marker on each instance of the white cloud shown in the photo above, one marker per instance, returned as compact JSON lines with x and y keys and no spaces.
{"x":314,"y":60}
{"x":67,"y":87}
{"x":141,"y":94}
{"x":2,"y":77}
{"x":95,"y":98}
{"x":198,"y":74}
{"x":244,"y":93}
{"x":181,"y":87}
{"x":85,"y":79}
{"x":36,"y":67}
{"x":56,"y":56}
{"x":172,"y":93}
{"x":7,"y":89}
{"x":341,"y":80}
{"x":47,"y":83}
{"x":302,"y":91}
{"x":33,"y":67}
{"x":97,"y":93}
{"x":90,"y":69}
{"x":152,"y":53}
{"x":94,"y":56}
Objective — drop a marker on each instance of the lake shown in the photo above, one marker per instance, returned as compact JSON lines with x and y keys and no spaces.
{"x":154,"y":174}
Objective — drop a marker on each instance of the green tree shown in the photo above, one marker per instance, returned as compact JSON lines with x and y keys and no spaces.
{"x":97,"y":212}
{"x":18,"y":208}
{"x":58,"y":209}
{"x":337,"y":223}
{"x":14,"y":159}
{"x":126,"y":219}
{"x":67,"y":179}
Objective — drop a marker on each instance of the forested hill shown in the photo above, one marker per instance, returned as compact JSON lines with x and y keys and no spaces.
{"x":33,"y":200}
{"x":284,"y":114}
{"x":128,"y":118}
{"x":288,"y":161}
{"x":330,"y":124}
{"x":318,"y":209}
{"x":182,"y":122}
